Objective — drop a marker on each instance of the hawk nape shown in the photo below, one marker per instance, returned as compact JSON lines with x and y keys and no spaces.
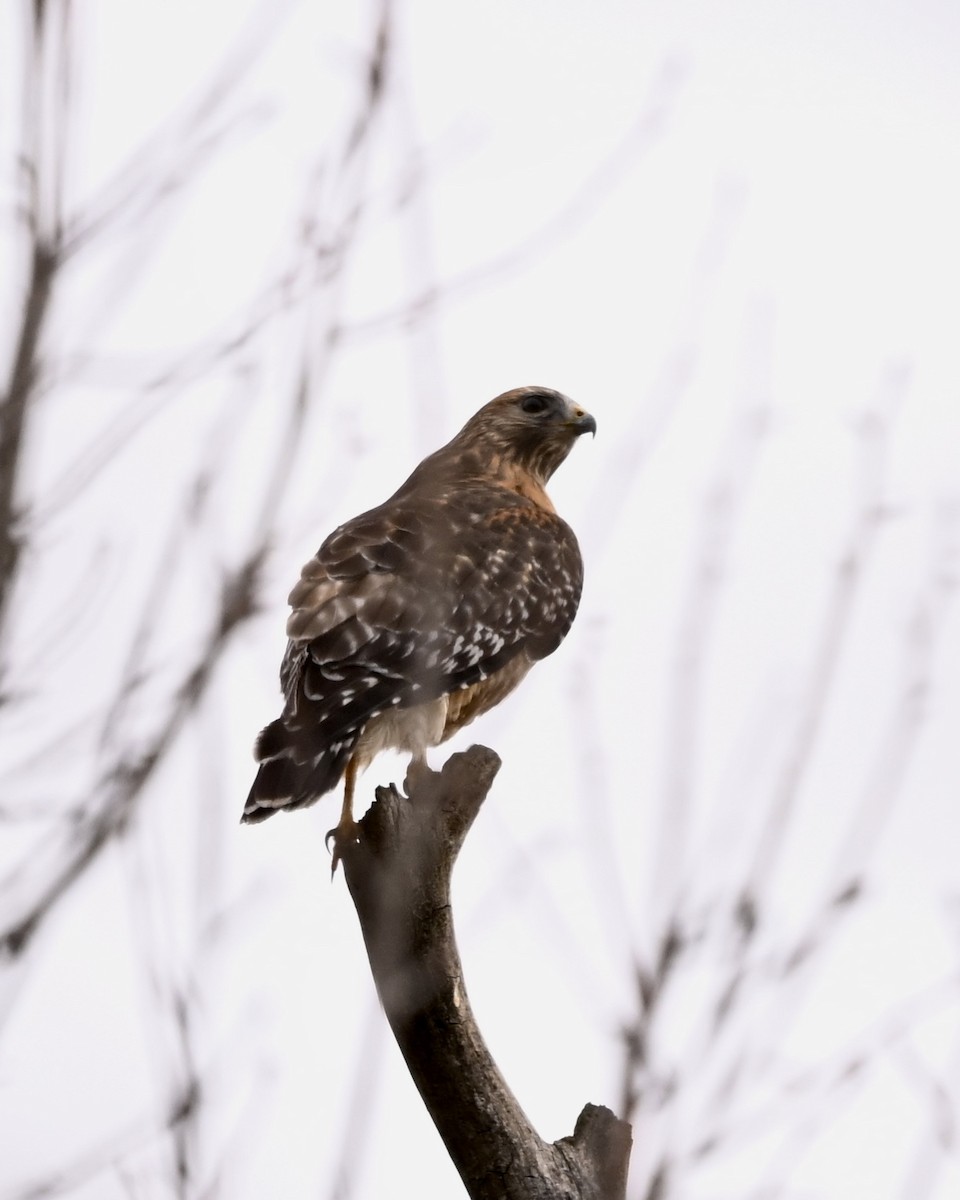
{"x":419,"y":615}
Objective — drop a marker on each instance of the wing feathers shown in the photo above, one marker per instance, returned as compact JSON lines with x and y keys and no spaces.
{"x":405,"y":604}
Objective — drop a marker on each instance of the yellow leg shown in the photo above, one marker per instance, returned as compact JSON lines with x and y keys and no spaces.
{"x":346,"y":831}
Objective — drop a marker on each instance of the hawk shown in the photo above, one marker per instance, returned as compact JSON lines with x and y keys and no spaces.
{"x":419,"y":615}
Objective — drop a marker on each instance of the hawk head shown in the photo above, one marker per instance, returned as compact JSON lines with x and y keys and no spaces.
{"x":532,"y":428}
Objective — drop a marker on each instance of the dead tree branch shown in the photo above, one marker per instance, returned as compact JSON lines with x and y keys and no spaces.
{"x":399,"y":877}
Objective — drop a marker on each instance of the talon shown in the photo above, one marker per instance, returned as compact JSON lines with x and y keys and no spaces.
{"x":417,"y":773}
{"x":342,"y":835}
{"x":347,"y":830}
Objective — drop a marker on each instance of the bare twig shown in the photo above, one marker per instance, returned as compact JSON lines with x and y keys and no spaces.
{"x":13,"y":414}
{"x":643,"y":133}
{"x":112,"y":805}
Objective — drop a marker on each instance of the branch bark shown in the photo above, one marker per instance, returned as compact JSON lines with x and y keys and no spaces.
{"x":398,"y":875}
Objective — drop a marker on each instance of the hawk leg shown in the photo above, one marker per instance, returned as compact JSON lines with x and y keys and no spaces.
{"x":416,"y":772}
{"x":346,"y":831}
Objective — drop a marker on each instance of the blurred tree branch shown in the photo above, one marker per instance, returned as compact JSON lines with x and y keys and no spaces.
{"x":125,"y":766}
{"x":86,"y":743}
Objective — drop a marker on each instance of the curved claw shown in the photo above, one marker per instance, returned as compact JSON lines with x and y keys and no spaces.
{"x":342,"y":835}
{"x":417,"y":772}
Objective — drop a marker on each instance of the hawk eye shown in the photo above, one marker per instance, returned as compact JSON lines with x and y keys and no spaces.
{"x":535,"y":403}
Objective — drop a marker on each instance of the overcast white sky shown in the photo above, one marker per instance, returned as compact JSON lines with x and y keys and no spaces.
{"x":730,"y":232}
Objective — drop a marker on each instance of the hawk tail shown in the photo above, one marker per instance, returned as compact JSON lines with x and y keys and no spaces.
{"x":294,"y":771}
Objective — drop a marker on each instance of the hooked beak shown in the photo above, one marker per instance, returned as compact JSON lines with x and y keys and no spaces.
{"x":582,"y":422}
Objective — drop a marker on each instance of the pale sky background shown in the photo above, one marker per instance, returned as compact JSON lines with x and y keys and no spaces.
{"x":730,"y":232}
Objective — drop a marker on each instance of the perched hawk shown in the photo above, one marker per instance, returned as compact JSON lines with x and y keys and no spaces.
{"x":419,"y":615}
